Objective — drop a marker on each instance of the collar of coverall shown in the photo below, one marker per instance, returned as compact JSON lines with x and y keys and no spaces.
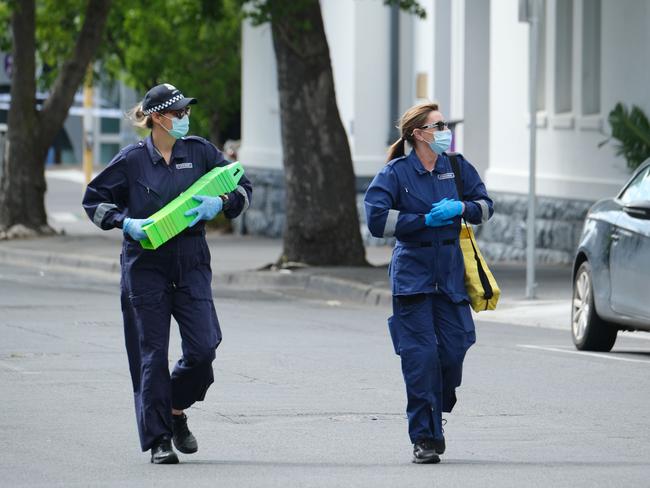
{"x":178,"y":151}
{"x":442,"y":163}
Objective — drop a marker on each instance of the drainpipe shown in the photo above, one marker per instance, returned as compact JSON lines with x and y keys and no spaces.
{"x":394,"y":74}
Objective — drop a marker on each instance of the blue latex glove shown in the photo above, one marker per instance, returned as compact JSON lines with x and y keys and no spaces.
{"x":133,"y":227}
{"x":432,"y":221}
{"x":446,"y":209}
{"x":209,"y":208}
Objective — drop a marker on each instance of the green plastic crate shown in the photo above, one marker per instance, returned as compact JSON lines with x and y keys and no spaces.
{"x":171,"y":220}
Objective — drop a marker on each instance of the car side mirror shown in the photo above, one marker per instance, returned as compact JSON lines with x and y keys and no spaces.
{"x":638,"y":210}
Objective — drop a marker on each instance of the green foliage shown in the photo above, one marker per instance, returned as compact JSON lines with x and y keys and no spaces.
{"x":632,"y":131}
{"x":5,"y":20}
{"x":410,"y":6}
{"x":58,"y":23}
{"x":192,"y":44}
{"x":261,"y":11}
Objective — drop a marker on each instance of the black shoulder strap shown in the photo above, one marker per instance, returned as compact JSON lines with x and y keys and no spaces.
{"x":485,"y":282}
{"x":458,"y":177}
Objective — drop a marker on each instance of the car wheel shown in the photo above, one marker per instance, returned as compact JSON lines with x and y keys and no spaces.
{"x":589,"y":331}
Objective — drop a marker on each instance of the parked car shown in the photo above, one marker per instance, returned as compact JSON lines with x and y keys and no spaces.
{"x":611,"y":271}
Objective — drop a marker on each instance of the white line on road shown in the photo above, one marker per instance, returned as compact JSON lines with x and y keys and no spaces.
{"x":64,"y":217}
{"x":583,"y":353}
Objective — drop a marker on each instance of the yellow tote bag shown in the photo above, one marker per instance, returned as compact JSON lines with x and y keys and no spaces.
{"x":481,"y":286}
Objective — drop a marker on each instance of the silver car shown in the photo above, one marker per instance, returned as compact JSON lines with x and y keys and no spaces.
{"x":611,"y":271}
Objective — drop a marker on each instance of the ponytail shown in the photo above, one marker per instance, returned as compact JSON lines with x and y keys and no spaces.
{"x":396,"y":150}
{"x":414,"y":118}
{"x":139,"y":119}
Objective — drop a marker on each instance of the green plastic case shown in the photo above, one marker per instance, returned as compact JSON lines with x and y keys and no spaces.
{"x":171,"y":220}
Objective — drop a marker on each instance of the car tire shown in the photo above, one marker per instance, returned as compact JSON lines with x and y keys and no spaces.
{"x":589,"y":331}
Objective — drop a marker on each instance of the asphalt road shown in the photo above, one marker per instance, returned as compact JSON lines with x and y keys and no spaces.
{"x":308,"y":393}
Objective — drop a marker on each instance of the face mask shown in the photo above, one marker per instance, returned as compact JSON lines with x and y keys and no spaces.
{"x":179,"y":126}
{"x":441,"y":141}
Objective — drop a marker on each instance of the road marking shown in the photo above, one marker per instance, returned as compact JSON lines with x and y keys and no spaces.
{"x":10,"y":367}
{"x":64,"y":217}
{"x":583,"y":353}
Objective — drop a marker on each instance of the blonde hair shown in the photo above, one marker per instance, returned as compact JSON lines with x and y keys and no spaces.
{"x":138,"y":118}
{"x":414,"y":118}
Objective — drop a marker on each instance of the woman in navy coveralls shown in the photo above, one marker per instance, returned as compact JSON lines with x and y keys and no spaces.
{"x":414,"y":198}
{"x":173,"y":280}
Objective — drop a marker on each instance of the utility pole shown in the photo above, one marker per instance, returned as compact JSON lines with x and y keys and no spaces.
{"x":88,"y":127}
{"x":529,"y":11}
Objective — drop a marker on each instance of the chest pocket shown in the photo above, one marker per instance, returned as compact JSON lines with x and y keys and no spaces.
{"x":145,"y":200}
{"x":412,"y":198}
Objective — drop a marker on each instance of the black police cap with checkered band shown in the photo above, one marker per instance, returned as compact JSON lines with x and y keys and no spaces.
{"x":163,"y":98}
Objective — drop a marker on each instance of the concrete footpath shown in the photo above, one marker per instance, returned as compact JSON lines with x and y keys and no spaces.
{"x":244,"y":262}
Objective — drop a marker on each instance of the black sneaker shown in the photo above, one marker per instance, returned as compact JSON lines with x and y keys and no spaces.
{"x":184,"y":440}
{"x":162,"y":452}
{"x":424,"y":452}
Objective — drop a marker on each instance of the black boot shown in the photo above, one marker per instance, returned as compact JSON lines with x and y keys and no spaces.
{"x":424,"y":452}
{"x":184,"y":440}
{"x":162,"y":452}
{"x":439,"y":445}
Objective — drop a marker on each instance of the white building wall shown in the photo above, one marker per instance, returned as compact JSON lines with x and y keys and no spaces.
{"x":260,"y":115}
{"x":339,"y":22}
{"x":569,"y":162}
{"x":476,"y":88}
{"x":371,"y":46}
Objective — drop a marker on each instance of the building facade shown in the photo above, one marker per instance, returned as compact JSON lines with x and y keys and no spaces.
{"x":109,"y":128}
{"x":471,"y":56}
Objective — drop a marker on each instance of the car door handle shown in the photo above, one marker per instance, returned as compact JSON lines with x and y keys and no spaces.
{"x":615,"y":237}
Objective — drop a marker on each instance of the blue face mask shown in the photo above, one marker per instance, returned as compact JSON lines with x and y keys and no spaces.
{"x":179,"y":126}
{"x":441,"y":141}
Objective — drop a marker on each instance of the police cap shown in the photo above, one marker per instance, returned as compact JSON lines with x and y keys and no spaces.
{"x":165,"y":97}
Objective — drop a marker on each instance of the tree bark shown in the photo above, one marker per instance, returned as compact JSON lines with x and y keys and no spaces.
{"x":30,"y":132}
{"x":322,"y":224}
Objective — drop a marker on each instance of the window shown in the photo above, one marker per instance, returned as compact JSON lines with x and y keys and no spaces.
{"x":591,"y":32}
{"x":110,"y":125}
{"x":563,"y":55}
{"x":638,"y":189}
{"x":107,"y":151}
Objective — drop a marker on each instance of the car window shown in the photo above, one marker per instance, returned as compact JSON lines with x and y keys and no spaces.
{"x":639,"y":189}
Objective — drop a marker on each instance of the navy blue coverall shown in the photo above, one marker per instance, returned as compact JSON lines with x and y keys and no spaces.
{"x":431,"y":326}
{"x":173,"y":280}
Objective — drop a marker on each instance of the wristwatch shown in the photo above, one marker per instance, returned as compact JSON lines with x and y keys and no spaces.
{"x":225,"y":200}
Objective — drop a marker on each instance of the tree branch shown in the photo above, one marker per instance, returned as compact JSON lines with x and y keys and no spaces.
{"x":55,"y":108}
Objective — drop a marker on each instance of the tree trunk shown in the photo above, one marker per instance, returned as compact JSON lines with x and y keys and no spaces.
{"x":31,"y":133}
{"x":22,"y":179}
{"x":322,"y":224}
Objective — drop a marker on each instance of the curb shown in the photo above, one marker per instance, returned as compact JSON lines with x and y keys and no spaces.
{"x":41,"y":258}
{"x":331,"y":287}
